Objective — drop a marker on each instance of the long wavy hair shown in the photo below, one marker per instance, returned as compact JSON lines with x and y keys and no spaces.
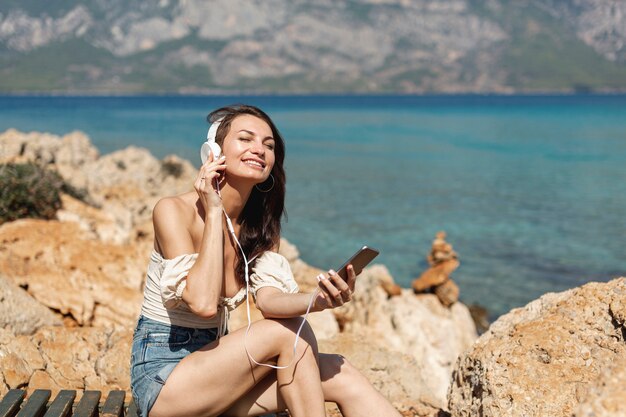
{"x":261,"y":216}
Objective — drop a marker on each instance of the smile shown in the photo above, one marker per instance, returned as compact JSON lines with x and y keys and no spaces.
{"x":254,"y":164}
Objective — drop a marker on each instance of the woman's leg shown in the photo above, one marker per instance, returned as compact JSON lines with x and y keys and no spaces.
{"x":210,"y":380}
{"x":342,"y":383}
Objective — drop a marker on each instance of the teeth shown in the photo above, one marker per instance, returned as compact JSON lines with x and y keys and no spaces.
{"x":255,"y":163}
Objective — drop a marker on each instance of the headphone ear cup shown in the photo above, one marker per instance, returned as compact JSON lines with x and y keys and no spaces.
{"x":204,"y":151}
{"x":215,"y":148}
{"x":208,"y":147}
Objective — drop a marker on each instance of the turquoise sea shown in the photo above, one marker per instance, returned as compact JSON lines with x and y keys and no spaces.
{"x":530,"y":189}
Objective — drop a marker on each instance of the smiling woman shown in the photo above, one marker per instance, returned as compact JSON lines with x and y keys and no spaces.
{"x":184,"y":361}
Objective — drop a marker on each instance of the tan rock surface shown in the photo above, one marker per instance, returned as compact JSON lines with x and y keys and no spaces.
{"x":419,"y":326}
{"x":546,"y":358}
{"x":125,"y":184}
{"x":58,"y":358}
{"x":21,"y":313}
{"x":607,"y":395}
{"x":84,"y":280}
{"x":397,"y":376}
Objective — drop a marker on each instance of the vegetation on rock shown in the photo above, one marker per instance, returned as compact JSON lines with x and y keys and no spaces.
{"x":31,"y":191}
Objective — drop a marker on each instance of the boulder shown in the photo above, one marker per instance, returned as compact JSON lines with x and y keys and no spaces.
{"x":83,"y":280}
{"x":548,"y":357}
{"x":68,"y":155}
{"x":59,"y":358}
{"x":125,"y":184}
{"x":607,"y":395}
{"x":398,"y":377}
{"x":416,"y":325}
{"x":21,"y":313}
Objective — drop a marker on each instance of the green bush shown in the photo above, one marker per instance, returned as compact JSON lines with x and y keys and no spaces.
{"x":31,"y":191}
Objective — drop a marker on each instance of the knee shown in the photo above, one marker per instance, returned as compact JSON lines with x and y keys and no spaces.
{"x":286,"y":329}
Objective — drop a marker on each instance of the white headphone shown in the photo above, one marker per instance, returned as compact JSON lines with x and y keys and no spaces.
{"x":210,"y":145}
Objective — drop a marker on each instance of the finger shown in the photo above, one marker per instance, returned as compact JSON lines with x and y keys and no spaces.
{"x":335,"y":295}
{"x":341,"y":285}
{"x":351,"y":277}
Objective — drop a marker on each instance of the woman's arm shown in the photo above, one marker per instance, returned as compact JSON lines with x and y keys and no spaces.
{"x":333,"y":292}
{"x":172,"y":224}
{"x":204,"y":280}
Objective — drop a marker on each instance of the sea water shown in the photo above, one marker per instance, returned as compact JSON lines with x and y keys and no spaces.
{"x":531,"y":190}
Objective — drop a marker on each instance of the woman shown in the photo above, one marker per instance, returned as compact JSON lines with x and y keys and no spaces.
{"x":183,"y":361}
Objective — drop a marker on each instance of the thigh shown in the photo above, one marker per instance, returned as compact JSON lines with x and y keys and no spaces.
{"x":156,"y":350}
{"x":213,"y":378}
{"x":265,"y":397}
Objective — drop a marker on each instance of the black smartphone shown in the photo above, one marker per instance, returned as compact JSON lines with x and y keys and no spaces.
{"x":359,"y":260}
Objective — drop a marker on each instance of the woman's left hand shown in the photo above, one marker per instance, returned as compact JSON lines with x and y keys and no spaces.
{"x":333,"y":290}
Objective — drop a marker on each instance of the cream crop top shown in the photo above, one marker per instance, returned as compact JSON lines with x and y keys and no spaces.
{"x":166,"y":279}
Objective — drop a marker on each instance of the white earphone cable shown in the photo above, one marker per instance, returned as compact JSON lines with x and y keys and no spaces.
{"x":231,"y":229}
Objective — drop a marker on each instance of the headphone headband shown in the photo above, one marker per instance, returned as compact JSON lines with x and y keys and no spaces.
{"x":210,"y":136}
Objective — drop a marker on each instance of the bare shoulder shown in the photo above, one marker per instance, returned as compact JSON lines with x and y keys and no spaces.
{"x":172,"y":218}
{"x":176,"y":206}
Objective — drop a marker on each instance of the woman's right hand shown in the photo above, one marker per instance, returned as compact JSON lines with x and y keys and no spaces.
{"x":211,"y":172}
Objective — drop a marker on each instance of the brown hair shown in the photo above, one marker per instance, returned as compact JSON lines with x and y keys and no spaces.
{"x":261,"y":216}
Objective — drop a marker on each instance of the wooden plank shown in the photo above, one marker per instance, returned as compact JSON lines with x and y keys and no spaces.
{"x":36,"y":404}
{"x":132,"y":409}
{"x":11,"y":402}
{"x":114,"y":404}
{"x":88,"y":405}
{"x":62,"y":404}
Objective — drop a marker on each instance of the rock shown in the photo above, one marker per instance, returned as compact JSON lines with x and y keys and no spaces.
{"x":419,"y":326}
{"x":58,"y":358}
{"x":548,"y":357}
{"x":21,"y":313}
{"x":447,"y":292}
{"x":397,"y":376}
{"x":68,"y":155}
{"x":125,"y":184}
{"x":434,"y":276}
{"x":84,"y":280}
{"x":19,"y":358}
{"x":443,"y":261}
{"x":607,"y":395}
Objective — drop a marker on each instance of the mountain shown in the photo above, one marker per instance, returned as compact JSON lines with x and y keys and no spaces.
{"x":323,"y":46}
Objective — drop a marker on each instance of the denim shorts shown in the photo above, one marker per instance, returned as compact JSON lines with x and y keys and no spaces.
{"x":157,"y":348}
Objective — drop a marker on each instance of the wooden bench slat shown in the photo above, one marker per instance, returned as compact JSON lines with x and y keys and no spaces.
{"x":62,"y":404}
{"x":132,"y":409}
{"x":88,"y":404}
{"x":11,"y":402}
{"x":36,"y":404}
{"x":114,"y":404}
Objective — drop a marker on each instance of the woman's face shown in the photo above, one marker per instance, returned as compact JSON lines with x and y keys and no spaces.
{"x":249,"y":148}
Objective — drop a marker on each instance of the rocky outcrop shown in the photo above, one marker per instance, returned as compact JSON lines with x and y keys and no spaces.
{"x":545,"y":359}
{"x":21,"y":313}
{"x":124,"y":185}
{"x":399,"y":377}
{"x":86,"y":270}
{"x":59,"y":358}
{"x":417,"y":325}
{"x":85,"y":281}
{"x":607,"y":395}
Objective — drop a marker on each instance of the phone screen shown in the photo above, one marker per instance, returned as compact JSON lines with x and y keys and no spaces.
{"x":359,"y":260}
